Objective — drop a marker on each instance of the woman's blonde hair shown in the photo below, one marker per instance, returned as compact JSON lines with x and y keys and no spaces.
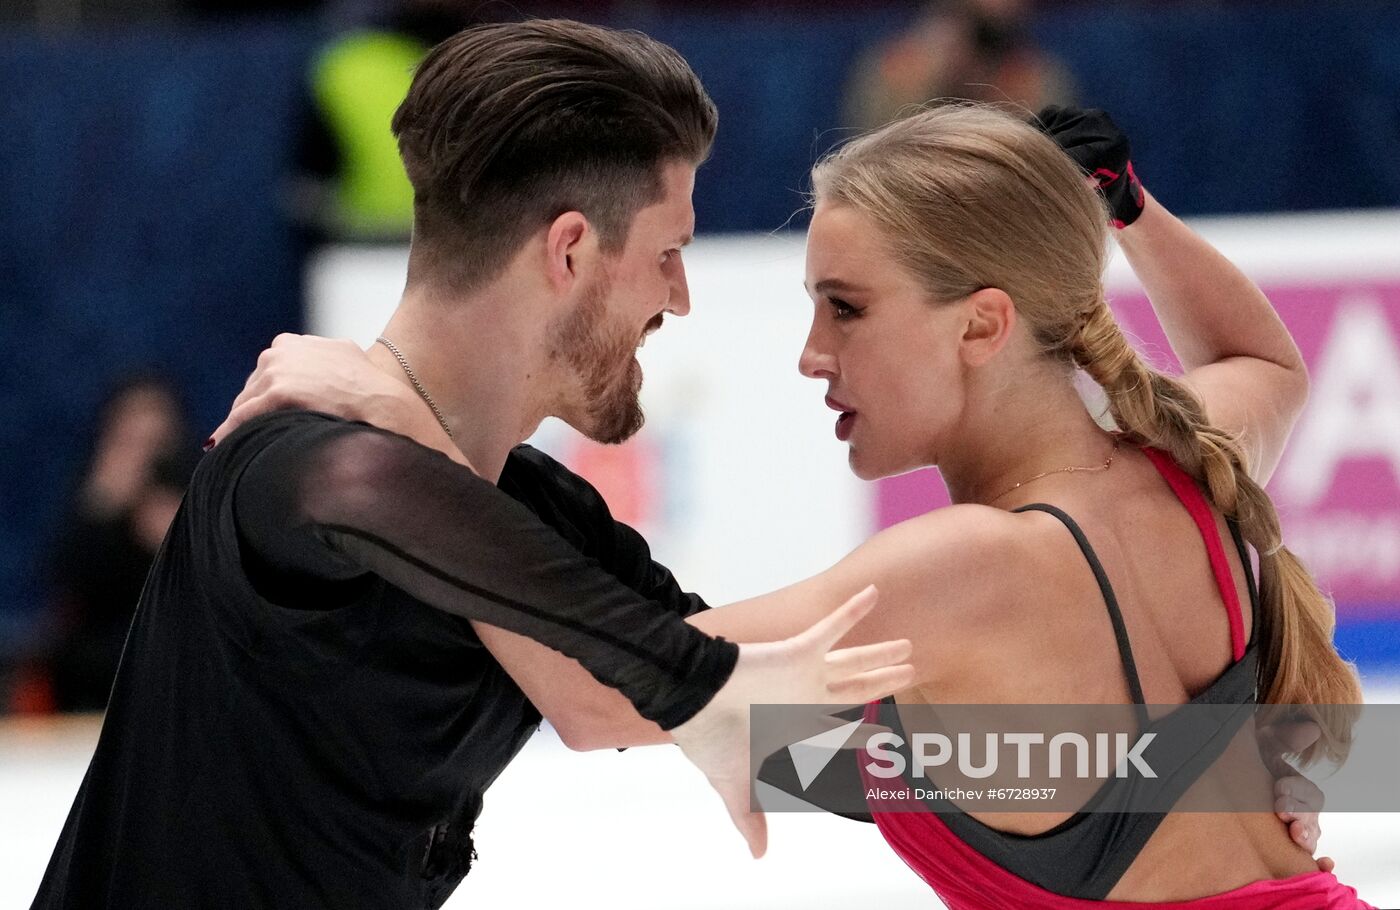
{"x":969,"y":197}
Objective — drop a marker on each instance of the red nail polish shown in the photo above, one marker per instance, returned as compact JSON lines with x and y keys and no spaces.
{"x":208,"y":444}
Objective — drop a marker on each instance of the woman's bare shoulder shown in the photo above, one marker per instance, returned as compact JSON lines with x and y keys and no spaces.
{"x":966,"y":536}
{"x":964,"y":560}
{"x":969,"y":585}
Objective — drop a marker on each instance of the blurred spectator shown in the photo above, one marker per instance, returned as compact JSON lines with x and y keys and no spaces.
{"x":354,"y":186}
{"x":131,"y":487}
{"x":141,"y":420}
{"x":975,"y":49}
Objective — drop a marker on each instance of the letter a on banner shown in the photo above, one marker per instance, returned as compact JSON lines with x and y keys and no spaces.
{"x":1354,"y":409}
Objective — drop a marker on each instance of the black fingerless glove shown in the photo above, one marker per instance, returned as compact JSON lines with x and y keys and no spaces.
{"x":1095,"y":142}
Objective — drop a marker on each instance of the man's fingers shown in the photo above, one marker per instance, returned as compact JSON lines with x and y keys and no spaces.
{"x":872,"y":684}
{"x":1326,"y":864}
{"x":1303,"y":793}
{"x":833,"y":627}
{"x":1304,"y":832}
{"x":752,"y":825}
{"x":850,"y":661}
{"x":1299,"y":834}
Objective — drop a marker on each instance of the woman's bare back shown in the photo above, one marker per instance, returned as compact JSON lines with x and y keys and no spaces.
{"x":1179,"y":629}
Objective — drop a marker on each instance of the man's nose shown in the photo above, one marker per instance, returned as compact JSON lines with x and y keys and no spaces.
{"x":679,"y":300}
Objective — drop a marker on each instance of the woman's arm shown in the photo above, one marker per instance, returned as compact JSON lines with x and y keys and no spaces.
{"x":943,"y":581}
{"x":1237,"y":353}
{"x":333,"y":376}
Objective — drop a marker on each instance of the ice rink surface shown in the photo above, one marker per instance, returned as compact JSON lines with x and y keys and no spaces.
{"x":638,"y":829}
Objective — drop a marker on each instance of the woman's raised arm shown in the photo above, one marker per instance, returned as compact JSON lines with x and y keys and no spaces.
{"x":1237,"y":354}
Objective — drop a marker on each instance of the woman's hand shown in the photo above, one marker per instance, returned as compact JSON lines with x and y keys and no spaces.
{"x":334,"y":376}
{"x":1097,"y":145}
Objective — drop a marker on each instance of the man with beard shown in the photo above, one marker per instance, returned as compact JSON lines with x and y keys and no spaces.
{"x":306,"y":715}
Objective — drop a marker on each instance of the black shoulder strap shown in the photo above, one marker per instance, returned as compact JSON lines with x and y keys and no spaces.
{"x":1248,"y":578}
{"x":1120,"y":631}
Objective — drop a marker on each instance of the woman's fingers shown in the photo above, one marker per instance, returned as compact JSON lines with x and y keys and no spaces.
{"x":243,"y":413}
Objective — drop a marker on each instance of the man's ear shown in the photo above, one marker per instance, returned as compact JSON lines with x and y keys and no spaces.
{"x":991,"y":316}
{"x":571,"y":250}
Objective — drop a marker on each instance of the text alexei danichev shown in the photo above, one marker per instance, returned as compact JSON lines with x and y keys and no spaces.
{"x":955,"y":793}
{"x":958,"y":794}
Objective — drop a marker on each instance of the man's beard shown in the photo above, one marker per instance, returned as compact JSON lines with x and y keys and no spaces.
{"x":601,"y":354}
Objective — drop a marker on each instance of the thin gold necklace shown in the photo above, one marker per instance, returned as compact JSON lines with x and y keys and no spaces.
{"x":1108,"y":463}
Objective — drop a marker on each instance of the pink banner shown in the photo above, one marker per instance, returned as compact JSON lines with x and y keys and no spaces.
{"x":1338,"y":486}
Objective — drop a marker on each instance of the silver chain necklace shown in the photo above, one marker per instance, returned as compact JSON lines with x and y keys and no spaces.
{"x":417,"y":386}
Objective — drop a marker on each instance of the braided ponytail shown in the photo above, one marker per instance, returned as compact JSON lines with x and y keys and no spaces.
{"x":1297,"y":662}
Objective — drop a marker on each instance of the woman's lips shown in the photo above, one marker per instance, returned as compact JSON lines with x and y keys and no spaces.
{"x":845,"y":422}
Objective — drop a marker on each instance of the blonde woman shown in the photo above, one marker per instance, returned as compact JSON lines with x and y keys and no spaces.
{"x":955,"y":261}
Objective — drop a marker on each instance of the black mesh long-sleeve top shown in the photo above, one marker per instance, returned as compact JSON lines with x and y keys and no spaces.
{"x":304,"y":716}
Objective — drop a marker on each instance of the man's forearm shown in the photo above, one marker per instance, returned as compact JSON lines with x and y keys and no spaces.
{"x":585,"y":713}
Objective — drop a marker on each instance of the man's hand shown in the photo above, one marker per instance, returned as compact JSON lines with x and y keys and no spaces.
{"x":1297,"y":800}
{"x":334,"y":376}
{"x":803,"y":670}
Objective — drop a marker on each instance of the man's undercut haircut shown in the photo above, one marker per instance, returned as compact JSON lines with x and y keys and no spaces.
{"x":507,"y":126}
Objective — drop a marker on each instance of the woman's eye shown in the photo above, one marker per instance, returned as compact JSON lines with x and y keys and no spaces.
{"x":843,"y":310}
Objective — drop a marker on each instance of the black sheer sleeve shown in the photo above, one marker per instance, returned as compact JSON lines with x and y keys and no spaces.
{"x":569,"y":504}
{"x":330,"y":500}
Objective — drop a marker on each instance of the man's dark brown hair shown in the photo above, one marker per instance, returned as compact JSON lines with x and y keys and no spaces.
{"x":507,"y":126}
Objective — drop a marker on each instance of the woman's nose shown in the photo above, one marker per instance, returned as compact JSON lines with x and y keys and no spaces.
{"x":814,"y":364}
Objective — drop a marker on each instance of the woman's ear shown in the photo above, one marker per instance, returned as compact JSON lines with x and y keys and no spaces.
{"x":991,"y":317}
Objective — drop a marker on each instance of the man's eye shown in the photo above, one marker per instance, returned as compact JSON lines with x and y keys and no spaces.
{"x":669,"y":255}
